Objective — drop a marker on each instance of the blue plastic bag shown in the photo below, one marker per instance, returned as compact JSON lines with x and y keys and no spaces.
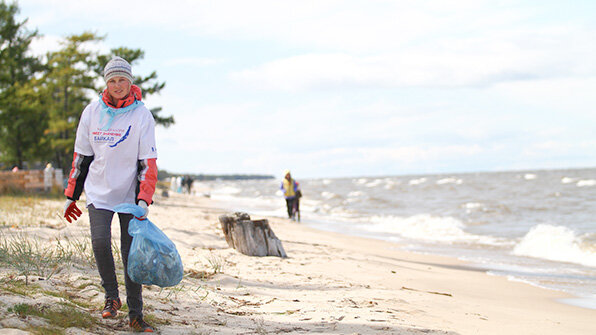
{"x":153,"y":258}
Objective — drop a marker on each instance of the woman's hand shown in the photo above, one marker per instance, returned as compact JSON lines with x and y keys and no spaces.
{"x":144,"y":206}
{"x":71,"y":211}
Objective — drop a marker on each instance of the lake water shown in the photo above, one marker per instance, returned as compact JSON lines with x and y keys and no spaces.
{"x":533,"y":226}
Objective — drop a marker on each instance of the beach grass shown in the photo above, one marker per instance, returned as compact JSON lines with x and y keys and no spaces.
{"x":216,"y":263}
{"x":331,"y":284}
{"x":17,"y":286}
{"x":61,"y":316}
{"x":29,"y":209}
{"x":28,"y":255}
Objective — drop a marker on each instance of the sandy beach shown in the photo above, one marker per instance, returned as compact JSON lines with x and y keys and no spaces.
{"x":330,"y":284}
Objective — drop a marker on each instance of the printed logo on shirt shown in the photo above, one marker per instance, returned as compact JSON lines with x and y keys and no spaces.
{"x":122,"y":138}
{"x":111,"y":137}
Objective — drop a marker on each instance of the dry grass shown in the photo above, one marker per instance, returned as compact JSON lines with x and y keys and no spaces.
{"x":29,"y":256}
{"x":28,"y":210}
{"x":61,"y":316}
{"x":50,"y":280}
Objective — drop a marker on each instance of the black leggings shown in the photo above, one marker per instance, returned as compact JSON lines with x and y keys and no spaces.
{"x":101,"y":239}
{"x":290,"y":204}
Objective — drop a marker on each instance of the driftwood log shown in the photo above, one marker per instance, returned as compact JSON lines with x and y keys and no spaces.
{"x":250,"y":237}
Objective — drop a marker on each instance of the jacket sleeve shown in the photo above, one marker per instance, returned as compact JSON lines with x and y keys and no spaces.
{"x":77,"y":176}
{"x":146,"y":180}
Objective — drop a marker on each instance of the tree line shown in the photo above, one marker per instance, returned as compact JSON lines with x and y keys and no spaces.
{"x":42,"y":97}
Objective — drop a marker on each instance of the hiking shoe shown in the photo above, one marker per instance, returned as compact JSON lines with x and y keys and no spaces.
{"x":111,"y":308}
{"x":139,"y":325}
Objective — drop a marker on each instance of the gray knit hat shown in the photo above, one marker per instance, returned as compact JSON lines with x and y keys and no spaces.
{"x":117,"y":66}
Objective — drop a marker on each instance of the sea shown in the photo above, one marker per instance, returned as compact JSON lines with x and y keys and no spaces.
{"x":537,"y":227}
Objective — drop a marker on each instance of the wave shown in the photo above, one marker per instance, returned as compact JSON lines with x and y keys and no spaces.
{"x":567,"y":180}
{"x":227,"y":190}
{"x":472,"y":205}
{"x":374,"y":183}
{"x":586,"y":182}
{"x":356,"y":194}
{"x":426,"y":227}
{"x":391,"y":184}
{"x":556,"y":243}
{"x":329,"y":195}
{"x":360,"y":181}
{"x":417,"y":181}
{"x":449,"y":181}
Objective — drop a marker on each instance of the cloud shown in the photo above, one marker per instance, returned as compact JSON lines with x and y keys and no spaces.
{"x":355,"y":87}
{"x":377,"y":44}
{"x":43,"y":44}
{"x":333,"y":24}
{"x":192,"y":61}
{"x":49,"y":43}
{"x":472,"y":62}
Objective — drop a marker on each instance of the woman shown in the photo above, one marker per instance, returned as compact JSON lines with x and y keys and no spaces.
{"x":115,"y":162}
{"x":292,"y":193}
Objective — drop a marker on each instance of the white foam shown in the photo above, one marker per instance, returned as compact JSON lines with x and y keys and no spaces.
{"x":328,"y":195}
{"x":450,"y":180}
{"x":586,"y":182}
{"x":426,"y":227}
{"x":417,"y":181}
{"x":556,"y":243}
{"x":529,"y":176}
{"x":355,"y":194}
{"x":390,"y":184}
{"x":374,"y":183}
{"x":567,"y":180}
{"x":472,"y":205}
{"x":229,"y":190}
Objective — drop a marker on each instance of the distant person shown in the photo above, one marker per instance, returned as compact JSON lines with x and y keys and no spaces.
{"x":292,"y":195}
{"x":48,"y":177}
{"x":115,"y":162}
{"x":173,"y":184}
{"x":188,"y":184}
{"x":179,"y":184}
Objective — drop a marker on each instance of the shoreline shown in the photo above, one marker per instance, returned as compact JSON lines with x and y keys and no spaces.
{"x":573,"y":298}
{"x":457,"y":273}
{"x":330,"y":283}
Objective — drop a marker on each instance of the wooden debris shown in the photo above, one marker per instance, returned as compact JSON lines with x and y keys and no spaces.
{"x":250,"y":237}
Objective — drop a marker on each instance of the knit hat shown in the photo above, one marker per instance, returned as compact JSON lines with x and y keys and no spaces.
{"x":117,"y":66}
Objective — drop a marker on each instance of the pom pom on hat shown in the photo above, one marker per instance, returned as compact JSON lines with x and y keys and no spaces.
{"x":117,"y":66}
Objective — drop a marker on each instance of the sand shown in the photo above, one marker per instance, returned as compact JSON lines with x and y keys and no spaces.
{"x":330,"y":284}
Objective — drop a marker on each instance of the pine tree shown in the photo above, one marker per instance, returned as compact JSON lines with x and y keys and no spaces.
{"x":20,"y":116}
{"x":67,"y":87}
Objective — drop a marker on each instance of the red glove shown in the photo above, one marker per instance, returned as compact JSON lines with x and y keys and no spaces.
{"x":71,"y":211}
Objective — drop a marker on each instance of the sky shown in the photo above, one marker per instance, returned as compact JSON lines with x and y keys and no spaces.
{"x":355,"y":88}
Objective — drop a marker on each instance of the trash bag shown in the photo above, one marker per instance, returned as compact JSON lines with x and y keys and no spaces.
{"x":153,"y":258}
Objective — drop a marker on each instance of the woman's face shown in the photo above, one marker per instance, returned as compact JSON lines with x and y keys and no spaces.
{"x":118,"y":87}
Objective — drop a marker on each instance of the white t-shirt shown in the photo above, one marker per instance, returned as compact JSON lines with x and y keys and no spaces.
{"x":112,"y":176}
